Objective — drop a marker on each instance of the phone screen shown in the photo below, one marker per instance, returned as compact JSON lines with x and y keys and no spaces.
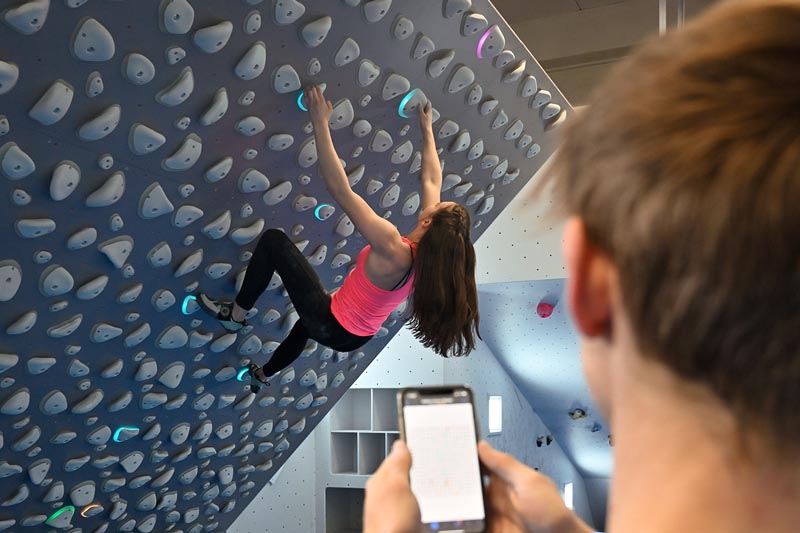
{"x":445,"y":474}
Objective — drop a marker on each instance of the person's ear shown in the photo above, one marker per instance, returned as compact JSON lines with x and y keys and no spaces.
{"x":589,"y":281}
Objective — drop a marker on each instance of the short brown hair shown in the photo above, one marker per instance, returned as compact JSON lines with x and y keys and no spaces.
{"x":685,"y":169}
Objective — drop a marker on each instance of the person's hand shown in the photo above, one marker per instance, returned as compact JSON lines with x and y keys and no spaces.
{"x":425,"y":116}
{"x":319,"y":108}
{"x":519,"y":499}
{"x":390,"y":506}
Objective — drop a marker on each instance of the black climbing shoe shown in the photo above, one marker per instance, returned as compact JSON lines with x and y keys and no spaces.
{"x":222,"y":311}
{"x":255,"y":381}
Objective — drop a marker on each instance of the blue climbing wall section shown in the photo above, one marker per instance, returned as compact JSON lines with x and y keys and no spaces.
{"x":144,"y":146}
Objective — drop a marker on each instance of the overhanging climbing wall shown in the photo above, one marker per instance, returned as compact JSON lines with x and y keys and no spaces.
{"x":143,"y":147}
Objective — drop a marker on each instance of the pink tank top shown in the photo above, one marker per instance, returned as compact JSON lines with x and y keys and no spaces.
{"x":360,"y":306}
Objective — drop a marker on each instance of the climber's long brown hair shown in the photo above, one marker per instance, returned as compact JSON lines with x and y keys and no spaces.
{"x":445,"y":301}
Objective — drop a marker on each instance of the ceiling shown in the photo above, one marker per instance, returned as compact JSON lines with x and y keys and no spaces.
{"x":514,"y":10}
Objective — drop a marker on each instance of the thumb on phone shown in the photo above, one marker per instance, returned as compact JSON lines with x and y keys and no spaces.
{"x":501,"y":464}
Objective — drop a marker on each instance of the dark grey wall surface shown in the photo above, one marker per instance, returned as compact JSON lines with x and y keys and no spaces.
{"x":92,"y":342}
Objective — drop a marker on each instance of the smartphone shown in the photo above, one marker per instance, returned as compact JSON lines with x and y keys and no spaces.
{"x":439,"y":426}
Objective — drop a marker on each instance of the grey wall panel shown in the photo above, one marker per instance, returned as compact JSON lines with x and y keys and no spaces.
{"x":95,"y":347}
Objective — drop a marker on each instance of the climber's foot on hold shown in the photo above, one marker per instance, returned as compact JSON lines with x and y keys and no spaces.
{"x":222,"y":310}
{"x":257,"y":377}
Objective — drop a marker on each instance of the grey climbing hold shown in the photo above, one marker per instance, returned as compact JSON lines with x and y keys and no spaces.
{"x":20,"y":197}
{"x":314,"y":32}
{"x":177,"y":16}
{"x":217,"y":270}
{"x":113,"y":369}
{"x":172,"y":375}
{"x":461,"y":78}
{"x":486,"y":205}
{"x":108,"y":193}
{"x":53,"y":403}
{"x":38,"y":470}
{"x":402,"y":153}
{"x":252,"y":22}
{"x":5,"y":126}
{"x":102,"y":332}
{"x":138,"y":69}
{"x":448,"y":129}
{"x":250,"y":126}
{"x":223,"y":343}
{"x":94,"y":85}
{"x":82,"y":494}
{"x":318,"y":257}
{"x":474,"y":95}
{"x":131,"y":462}
{"x":298,"y":427}
{"x":510,"y":176}
{"x":23,"y":324}
{"x":347,"y":53}
{"x":381,"y":141}
{"x":474,"y":198}
{"x":20,"y":495}
{"x":172,"y":337}
{"x":247,"y":234}
{"x":250,"y":180}
{"x":82,"y":239}
{"x":402,"y":28}
{"x":77,"y":369}
{"x":10,"y":360}
{"x":212,"y":39}
{"x":390,"y":196}
{"x":130,"y":294}
{"x":174,"y":54}
{"x":462,"y":189}
{"x":500,"y":120}
{"x":533,"y":151}
{"x":179,"y":90}
{"x":285,"y":79}
{"x":102,"y":125}
{"x":492,"y":43}
{"x":489,"y":161}
{"x":460,"y":143}
{"x":121,"y":403}
{"x":524,"y":141}
{"x":66,"y":328}
{"x":218,"y":228}
{"x":280,"y":141}
{"x":197,"y":340}
{"x":423,"y":46}
{"x":10,"y":279}
{"x":439,"y":62}
{"x":53,"y":104}
{"x":152,"y":400}
{"x":88,"y":403}
{"x":7,"y":469}
{"x":514,"y":72}
{"x":307,"y":155}
{"x":368,"y":72}
{"x":100,"y":436}
{"x":504,"y":58}
{"x":92,"y":42}
{"x":29,"y":17}
{"x":159,"y":255}
{"x":394,"y":86}
{"x":9,"y":74}
{"x":142,"y":139}
{"x":31,"y":228}
{"x":452,"y":8}
{"x":186,"y":155}
{"x":42,"y":257}
{"x":147,"y":370}
{"x":345,"y":227}
{"x":154,"y":202}
{"x":54,"y":493}
{"x":342,"y":115}
{"x":219,"y":170}
{"x":76,"y":463}
{"x":287,"y":11}
{"x":411,"y":204}
{"x":252,"y":63}
{"x":473,"y":23}
{"x":373,"y":186}
{"x":528,"y":87}
{"x":304,"y":203}
{"x":147,"y":502}
{"x":163,"y":299}
{"x":14,"y":162}
{"x":91,"y":289}
{"x":514,"y":131}
{"x":375,"y":10}
{"x":117,"y":249}
{"x":250,"y":345}
{"x":217,"y":109}
{"x":550,"y":113}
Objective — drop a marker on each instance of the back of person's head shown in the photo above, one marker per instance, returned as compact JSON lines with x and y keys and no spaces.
{"x":445,"y":300}
{"x":685,"y":170}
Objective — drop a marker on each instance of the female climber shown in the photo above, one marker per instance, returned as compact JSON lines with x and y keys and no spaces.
{"x":435,"y":262}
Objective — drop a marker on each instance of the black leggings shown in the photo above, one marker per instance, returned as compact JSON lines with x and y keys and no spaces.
{"x":276,"y":253}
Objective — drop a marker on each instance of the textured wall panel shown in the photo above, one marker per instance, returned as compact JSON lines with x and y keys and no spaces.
{"x":143,"y":148}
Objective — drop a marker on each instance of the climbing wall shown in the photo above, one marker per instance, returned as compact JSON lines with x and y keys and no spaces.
{"x":144,"y":146}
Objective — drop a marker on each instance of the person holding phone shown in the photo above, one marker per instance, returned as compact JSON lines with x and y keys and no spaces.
{"x":435,"y":262}
{"x":681,"y":181}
